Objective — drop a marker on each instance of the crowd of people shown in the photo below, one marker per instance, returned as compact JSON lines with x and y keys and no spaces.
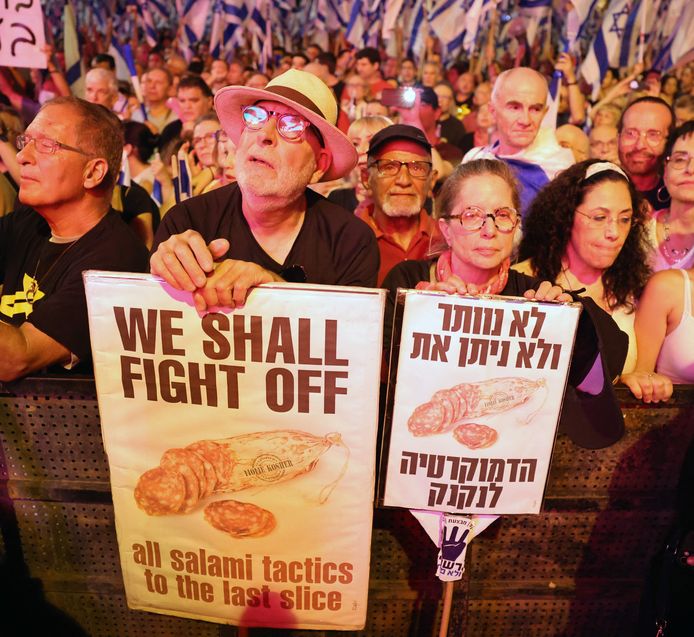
{"x":350,"y":168}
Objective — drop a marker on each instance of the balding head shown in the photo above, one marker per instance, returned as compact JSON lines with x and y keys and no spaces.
{"x":573,"y":138}
{"x":603,"y":143}
{"x":518,"y":105}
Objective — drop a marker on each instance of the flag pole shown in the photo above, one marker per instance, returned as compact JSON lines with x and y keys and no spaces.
{"x":642,"y":34}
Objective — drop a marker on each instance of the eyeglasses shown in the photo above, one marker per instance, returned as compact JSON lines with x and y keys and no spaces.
{"x":209,"y":138}
{"x":679,"y":161}
{"x":390,"y":168}
{"x":473,"y":218}
{"x":632,"y":135}
{"x":45,"y":144}
{"x":289,"y":125}
{"x":603,"y":145}
{"x":600,"y":220}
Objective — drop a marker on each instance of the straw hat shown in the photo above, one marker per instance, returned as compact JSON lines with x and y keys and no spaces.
{"x":308,"y":96}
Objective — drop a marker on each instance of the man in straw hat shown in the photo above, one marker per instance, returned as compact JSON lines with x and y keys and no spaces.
{"x":270,"y":226}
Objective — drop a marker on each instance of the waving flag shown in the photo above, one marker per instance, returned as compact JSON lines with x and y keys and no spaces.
{"x":536,"y":15}
{"x":365,"y":21}
{"x":74,"y":67}
{"x":193,"y":16}
{"x":607,"y":44}
{"x":680,"y":44}
{"x":217,"y":31}
{"x":151,"y":35}
{"x":417,"y":24}
{"x":576,"y":22}
{"x":259,"y":23}
{"x":235,"y":13}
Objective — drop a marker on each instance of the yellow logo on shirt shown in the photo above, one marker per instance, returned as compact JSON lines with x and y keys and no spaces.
{"x":21,"y":302}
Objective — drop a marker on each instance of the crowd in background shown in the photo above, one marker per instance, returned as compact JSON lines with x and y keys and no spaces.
{"x":618,"y":208}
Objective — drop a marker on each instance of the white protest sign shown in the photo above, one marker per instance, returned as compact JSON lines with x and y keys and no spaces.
{"x":241,"y":447}
{"x":21,"y":34}
{"x":477,"y":399}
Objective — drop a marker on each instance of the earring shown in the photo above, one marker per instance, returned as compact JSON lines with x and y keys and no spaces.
{"x":659,"y":195}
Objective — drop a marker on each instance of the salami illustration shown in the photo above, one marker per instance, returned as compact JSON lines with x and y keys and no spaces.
{"x":189,"y":475}
{"x":466,"y":401}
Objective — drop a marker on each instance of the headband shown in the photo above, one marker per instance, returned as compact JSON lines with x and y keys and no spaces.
{"x":603,"y":166}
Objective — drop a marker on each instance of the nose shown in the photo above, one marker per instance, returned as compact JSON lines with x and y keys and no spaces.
{"x":524,"y":117}
{"x":488,"y":228}
{"x":403,"y":177}
{"x":641,"y":141}
{"x":24,"y":155}
{"x":267,"y":133}
{"x":611,"y":228}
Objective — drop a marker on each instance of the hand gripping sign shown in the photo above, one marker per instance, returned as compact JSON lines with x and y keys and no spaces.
{"x":241,"y":448}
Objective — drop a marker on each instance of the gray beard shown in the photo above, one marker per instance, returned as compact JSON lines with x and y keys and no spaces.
{"x":401,"y":211}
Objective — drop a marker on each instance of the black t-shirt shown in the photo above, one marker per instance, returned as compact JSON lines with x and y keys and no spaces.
{"x":42,"y":280}
{"x":333,"y":246}
{"x":133,"y":201}
{"x":453,"y":131}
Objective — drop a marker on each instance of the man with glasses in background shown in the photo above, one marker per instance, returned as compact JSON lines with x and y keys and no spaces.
{"x":400,"y":176}
{"x":269,"y":226}
{"x":69,"y":159}
{"x":643,"y":131}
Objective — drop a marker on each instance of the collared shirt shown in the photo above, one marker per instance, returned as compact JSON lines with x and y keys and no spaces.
{"x":391,"y":252}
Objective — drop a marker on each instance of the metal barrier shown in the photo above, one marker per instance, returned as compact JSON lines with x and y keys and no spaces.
{"x":579,"y":565}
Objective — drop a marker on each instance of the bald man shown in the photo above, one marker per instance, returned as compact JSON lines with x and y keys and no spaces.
{"x":518,"y":105}
{"x":573,"y":138}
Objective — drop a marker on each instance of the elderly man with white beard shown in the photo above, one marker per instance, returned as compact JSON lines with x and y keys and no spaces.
{"x":399,"y":176}
{"x":269,"y":226}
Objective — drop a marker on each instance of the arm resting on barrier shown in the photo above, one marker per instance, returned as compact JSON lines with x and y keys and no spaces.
{"x":26,"y":349}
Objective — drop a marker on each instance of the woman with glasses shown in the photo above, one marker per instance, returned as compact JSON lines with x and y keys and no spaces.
{"x":672,"y":234}
{"x":477,"y":212}
{"x":585,"y":231}
{"x":664,"y":319}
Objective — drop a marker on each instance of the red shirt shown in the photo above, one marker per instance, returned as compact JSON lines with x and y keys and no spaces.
{"x":391,"y":252}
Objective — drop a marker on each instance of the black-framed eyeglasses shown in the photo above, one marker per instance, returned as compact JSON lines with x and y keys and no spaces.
{"x":46,"y":145}
{"x":473,"y":218}
{"x":290,"y":126}
{"x":417,"y":169}
{"x":679,"y":161}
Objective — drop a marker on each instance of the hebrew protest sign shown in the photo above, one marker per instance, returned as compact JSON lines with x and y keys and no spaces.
{"x":477,"y":399}
{"x":21,"y":34}
{"x":241,"y":447}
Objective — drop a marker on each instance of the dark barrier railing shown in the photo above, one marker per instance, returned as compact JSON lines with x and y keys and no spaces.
{"x":578,"y":568}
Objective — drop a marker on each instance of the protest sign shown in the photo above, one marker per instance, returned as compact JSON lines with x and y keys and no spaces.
{"x":241,"y":446}
{"x":477,"y":399}
{"x":21,"y":34}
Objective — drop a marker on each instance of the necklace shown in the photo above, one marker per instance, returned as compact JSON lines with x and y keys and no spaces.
{"x":34,"y":287}
{"x":672,"y":255}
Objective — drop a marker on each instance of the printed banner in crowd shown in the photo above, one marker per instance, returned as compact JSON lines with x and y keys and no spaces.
{"x":22,"y":35}
{"x":241,"y":446}
{"x":476,"y":403}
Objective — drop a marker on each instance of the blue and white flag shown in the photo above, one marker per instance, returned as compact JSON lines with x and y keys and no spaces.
{"x":236,"y":13}
{"x":680,"y":44}
{"x":162,"y":8}
{"x":74,"y":67}
{"x":157,"y":193}
{"x":417,"y":26}
{"x":192,"y":18}
{"x":337,"y":15}
{"x":537,"y":16}
{"x":260,"y":25}
{"x":151,"y":35}
{"x":217,"y":30}
{"x":606,"y":47}
{"x":365,"y":21}
{"x":123,"y":54}
{"x":576,"y":22}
